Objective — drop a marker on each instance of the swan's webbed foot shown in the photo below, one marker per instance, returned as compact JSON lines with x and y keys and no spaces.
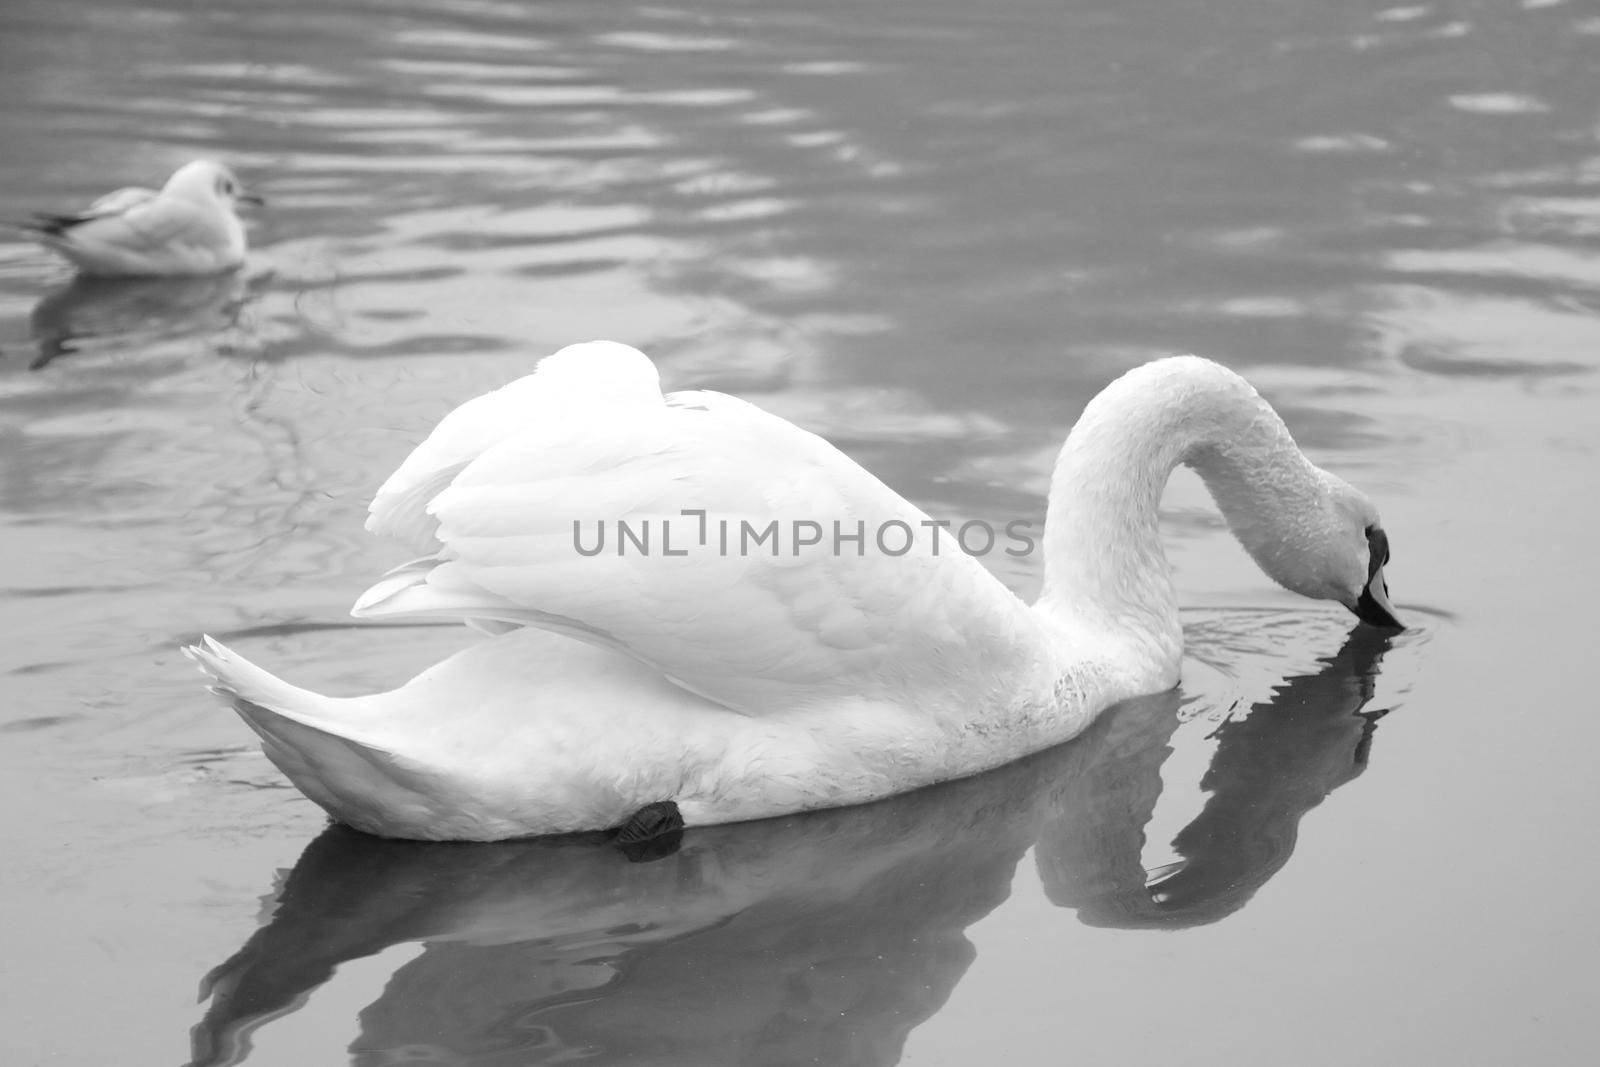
{"x":654,"y":831}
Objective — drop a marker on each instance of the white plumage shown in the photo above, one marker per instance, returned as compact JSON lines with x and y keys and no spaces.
{"x":740,"y":683}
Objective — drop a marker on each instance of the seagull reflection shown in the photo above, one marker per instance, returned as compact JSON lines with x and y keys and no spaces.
{"x":89,"y":310}
{"x":817,"y":938}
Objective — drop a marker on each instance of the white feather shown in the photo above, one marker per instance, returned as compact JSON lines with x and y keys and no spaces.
{"x":742,"y":684}
{"x":604,"y":378}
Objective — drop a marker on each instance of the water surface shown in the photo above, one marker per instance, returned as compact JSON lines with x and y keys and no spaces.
{"x":929,"y":231}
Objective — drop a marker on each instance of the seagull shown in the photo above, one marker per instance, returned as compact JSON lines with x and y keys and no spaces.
{"x":189,"y":227}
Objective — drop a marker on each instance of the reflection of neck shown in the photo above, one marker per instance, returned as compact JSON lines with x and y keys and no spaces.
{"x":1089,"y":855}
{"x":1104,"y":564}
{"x":1270,"y":768}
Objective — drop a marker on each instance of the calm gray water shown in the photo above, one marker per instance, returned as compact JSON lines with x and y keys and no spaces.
{"x":929,"y":230}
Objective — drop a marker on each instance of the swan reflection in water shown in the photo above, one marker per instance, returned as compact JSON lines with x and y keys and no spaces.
{"x":88,"y":311}
{"x":823,"y":937}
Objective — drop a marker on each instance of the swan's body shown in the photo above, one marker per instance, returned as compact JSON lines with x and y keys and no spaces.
{"x":743,"y":684}
{"x":188,"y":227}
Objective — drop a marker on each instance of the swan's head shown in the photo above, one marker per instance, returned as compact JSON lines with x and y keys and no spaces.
{"x":1340,"y":555}
{"x":204,"y":181}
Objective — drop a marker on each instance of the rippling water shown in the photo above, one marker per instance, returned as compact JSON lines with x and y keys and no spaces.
{"x":929,"y":231}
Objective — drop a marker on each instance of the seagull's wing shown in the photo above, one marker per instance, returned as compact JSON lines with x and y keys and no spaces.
{"x":116,"y":202}
{"x":135,"y":231}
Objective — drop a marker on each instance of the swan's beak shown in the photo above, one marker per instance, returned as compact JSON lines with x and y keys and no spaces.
{"x":1373,"y":606}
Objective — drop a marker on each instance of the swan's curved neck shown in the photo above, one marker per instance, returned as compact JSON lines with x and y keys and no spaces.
{"x":1105,"y":570}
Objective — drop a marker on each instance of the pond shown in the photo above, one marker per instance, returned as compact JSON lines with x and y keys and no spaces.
{"x":929,"y":231}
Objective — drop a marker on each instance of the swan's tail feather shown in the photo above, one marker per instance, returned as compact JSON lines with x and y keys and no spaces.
{"x":357,"y":781}
{"x":234,"y":676}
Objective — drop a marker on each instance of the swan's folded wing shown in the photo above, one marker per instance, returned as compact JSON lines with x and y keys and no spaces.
{"x":603,"y":374}
{"x":677,"y":535}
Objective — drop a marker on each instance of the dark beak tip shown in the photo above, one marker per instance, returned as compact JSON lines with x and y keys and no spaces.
{"x":1369,"y":611}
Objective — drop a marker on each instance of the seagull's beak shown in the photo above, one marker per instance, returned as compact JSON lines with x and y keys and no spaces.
{"x":250,"y":198}
{"x":1373,"y":606}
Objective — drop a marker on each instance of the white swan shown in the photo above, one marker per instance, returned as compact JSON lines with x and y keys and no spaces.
{"x":741,"y":684}
{"x":189,"y":227}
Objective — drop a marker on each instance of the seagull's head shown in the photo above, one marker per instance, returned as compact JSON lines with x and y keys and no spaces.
{"x":205,"y":181}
